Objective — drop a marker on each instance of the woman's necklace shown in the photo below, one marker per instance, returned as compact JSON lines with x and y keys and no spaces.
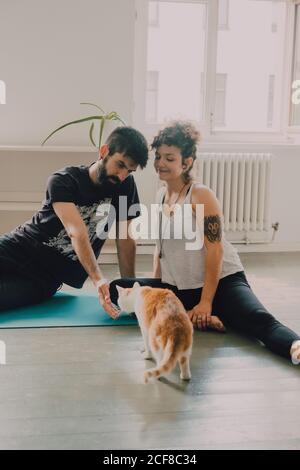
{"x":171,"y":213}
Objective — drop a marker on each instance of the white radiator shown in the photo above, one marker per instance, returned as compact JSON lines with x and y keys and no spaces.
{"x":241,"y":182}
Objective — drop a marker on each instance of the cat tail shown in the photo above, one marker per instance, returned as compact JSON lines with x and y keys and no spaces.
{"x":167,"y":364}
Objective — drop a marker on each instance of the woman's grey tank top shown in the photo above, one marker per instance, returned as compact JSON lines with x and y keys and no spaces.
{"x":183,"y":254}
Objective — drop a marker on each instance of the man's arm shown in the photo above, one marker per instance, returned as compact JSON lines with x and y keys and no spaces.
{"x":126,"y":248}
{"x":71,"y":219}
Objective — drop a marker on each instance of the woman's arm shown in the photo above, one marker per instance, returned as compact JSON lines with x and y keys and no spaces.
{"x":214,"y":253}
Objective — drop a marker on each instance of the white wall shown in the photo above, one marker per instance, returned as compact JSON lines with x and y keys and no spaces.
{"x":286,"y":194}
{"x":55,"y":54}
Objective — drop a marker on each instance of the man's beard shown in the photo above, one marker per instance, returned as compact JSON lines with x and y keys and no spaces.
{"x":108,"y":182}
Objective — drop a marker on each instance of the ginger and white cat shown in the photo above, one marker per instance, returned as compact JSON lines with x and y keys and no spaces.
{"x":166,"y":328}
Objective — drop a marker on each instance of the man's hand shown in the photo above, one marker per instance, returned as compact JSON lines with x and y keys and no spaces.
{"x":104,"y":298}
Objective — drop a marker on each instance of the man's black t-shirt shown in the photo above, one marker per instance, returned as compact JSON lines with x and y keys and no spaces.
{"x":44,"y":237}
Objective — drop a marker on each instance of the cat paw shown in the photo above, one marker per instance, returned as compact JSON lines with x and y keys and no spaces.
{"x":146,"y":377}
{"x":185,"y":376}
{"x":147,"y":355}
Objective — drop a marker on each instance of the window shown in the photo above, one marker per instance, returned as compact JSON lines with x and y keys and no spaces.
{"x":153,"y":18}
{"x":2,"y":92}
{"x":270,"y":101}
{"x":295,"y":107}
{"x":274,"y":25}
{"x":172,"y":53}
{"x":152,"y":96}
{"x":220,"y":96}
{"x":249,"y":53}
{"x":223,"y":14}
{"x":220,"y":105}
{"x":221,"y":63}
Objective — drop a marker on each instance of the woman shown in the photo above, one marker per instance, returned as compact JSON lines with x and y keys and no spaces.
{"x":210,"y":281}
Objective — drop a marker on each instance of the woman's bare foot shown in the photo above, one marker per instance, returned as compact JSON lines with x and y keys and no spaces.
{"x":295,"y":352}
{"x":216,"y":324}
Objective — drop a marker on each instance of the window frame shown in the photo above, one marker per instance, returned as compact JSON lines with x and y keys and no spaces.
{"x":293,"y":130}
{"x":286,"y":132}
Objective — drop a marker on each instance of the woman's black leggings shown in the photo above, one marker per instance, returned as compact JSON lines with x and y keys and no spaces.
{"x":235,"y":304}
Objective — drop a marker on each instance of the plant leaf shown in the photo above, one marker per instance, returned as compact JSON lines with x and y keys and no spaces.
{"x":118,"y":118}
{"x":91,"y":134}
{"x":111,"y":115}
{"x":90,"y":118}
{"x":102,"y":124}
{"x":92,"y":104}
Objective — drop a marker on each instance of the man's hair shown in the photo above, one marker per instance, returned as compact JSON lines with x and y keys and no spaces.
{"x":181,"y":134}
{"x":129,"y":142}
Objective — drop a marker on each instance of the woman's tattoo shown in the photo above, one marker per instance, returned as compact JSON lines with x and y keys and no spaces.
{"x":213,"y":228}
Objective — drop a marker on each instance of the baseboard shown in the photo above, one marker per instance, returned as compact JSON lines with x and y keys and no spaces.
{"x":109,"y":256}
{"x":268,"y":247}
{"x":109,"y":253}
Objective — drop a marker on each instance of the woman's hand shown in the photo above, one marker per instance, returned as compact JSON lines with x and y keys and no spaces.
{"x":200,"y":315}
{"x":202,"y":318}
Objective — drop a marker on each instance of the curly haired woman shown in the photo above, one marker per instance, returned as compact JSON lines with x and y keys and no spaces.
{"x":210,"y":281}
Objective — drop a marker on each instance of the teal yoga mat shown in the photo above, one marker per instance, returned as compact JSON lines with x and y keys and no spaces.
{"x":63,"y":310}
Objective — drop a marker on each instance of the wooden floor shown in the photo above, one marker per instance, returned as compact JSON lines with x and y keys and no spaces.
{"x":81,"y":388}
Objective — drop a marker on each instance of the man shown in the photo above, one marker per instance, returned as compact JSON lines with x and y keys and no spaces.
{"x":62,"y":241}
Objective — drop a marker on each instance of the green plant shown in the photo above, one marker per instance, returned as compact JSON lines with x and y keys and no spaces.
{"x":102,"y":118}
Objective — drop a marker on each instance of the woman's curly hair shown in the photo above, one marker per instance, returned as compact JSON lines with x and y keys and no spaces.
{"x":181,"y":134}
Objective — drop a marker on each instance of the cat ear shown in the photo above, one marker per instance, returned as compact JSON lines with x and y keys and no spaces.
{"x":119,"y":288}
{"x":136,"y":284}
